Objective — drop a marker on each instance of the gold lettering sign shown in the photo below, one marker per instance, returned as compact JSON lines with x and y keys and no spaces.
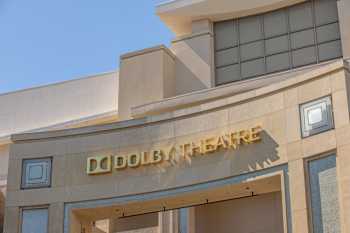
{"x":232,"y":140}
{"x":99,"y":165}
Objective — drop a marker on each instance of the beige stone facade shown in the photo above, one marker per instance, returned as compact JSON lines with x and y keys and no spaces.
{"x":207,"y":174}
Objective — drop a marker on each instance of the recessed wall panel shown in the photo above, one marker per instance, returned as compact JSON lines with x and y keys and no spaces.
{"x":324,"y":195}
{"x":35,"y":221}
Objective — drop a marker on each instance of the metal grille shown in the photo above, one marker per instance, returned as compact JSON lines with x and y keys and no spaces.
{"x":300,"y":35}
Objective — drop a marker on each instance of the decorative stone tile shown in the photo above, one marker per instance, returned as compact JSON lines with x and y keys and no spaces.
{"x":316,"y":116}
{"x":324,"y":195}
{"x":36,"y":173}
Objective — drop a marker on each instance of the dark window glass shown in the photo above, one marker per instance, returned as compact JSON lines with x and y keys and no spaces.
{"x":329,"y":50}
{"x":226,"y":35}
{"x":227,"y":74}
{"x":250,"y":29}
{"x":278,"y":62}
{"x":252,"y":50}
{"x":302,"y":39}
{"x":300,"y":17}
{"x":328,"y":32}
{"x":295,"y":36}
{"x":277,"y":45}
{"x":304,"y":56}
{"x":227,"y":57}
{"x":275,"y":23}
{"x":253,"y":68}
{"x":326,"y":11}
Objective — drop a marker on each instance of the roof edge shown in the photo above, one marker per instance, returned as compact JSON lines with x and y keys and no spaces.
{"x":7,"y":139}
{"x":59,"y":83}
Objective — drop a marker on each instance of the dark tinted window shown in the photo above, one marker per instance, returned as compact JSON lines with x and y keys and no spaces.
{"x":296,"y":36}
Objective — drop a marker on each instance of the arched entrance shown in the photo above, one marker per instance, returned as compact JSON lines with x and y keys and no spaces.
{"x":254,"y":202}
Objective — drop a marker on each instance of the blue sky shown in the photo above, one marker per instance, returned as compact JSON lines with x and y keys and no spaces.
{"x":43,"y":41}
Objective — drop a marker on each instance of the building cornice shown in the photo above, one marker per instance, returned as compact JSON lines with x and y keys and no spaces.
{"x":178,"y":15}
{"x":60,"y":83}
{"x":208,"y":95}
{"x":108,"y":116}
{"x":146,"y":51}
{"x":218,"y":101}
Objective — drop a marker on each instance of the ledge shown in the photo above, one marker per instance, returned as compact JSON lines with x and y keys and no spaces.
{"x":5,"y":140}
{"x":65,"y":126}
{"x":191,"y":36}
{"x":147,"y":50}
{"x":178,"y":15}
{"x":207,"y":95}
{"x":217,"y":99}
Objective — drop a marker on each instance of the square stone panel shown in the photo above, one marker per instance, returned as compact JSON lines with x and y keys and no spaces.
{"x":316,"y":116}
{"x":36,"y":173}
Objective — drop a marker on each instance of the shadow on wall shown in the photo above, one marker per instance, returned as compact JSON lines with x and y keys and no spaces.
{"x":247,"y":157}
{"x":209,"y":167}
{"x":193,"y":64}
{"x":186,"y":80}
{"x":256,"y":156}
{"x":221,"y":164}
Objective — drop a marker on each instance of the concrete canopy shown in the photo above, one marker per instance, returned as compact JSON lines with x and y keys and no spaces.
{"x":178,"y":15}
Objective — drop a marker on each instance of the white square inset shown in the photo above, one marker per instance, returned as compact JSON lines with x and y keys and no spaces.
{"x":314,"y":116}
{"x":35,"y":171}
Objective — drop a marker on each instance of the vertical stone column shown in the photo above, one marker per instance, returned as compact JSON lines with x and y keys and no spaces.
{"x":56,"y":217}
{"x":341,"y":98}
{"x":187,"y":220}
{"x":343,"y":173}
{"x":298,"y":196}
{"x":191,"y":220}
{"x":86,"y":227}
{"x":145,"y":76}
{"x":12,"y":224}
{"x":79,"y":225}
{"x":168,"y":222}
{"x":111,"y":226}
{"x":344,"y":19}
